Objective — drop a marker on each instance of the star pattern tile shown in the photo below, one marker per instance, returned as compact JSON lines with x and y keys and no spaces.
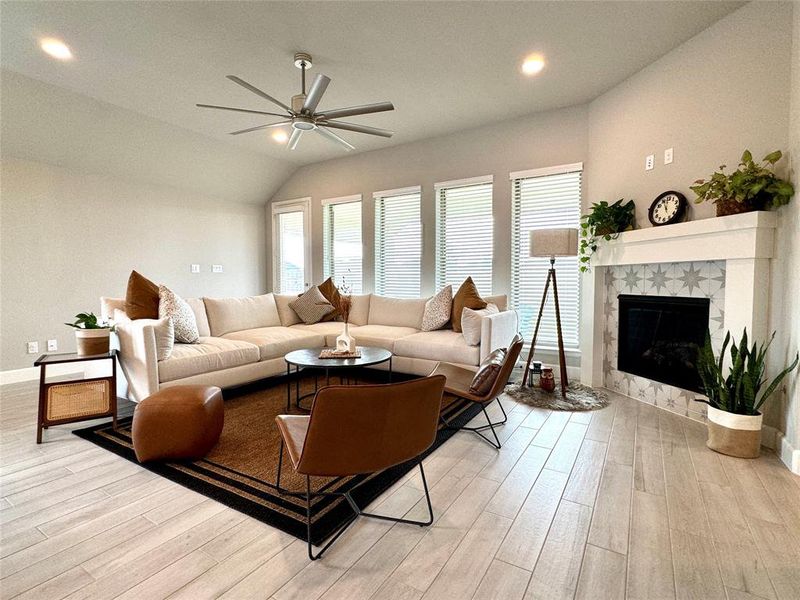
{"x":658,"y":279}
{"x":691,"y":279}
{"x":632,"y":279}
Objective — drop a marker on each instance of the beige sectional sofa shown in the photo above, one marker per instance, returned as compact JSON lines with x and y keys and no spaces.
{"x":245,"y":339}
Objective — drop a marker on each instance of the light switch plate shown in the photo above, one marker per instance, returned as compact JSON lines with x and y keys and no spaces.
{"x":52,"y":345}
{"x":668,"y":156}
{"x":195,"y":268}
{"x":216,"y":268}
{"x":33,"y":347}
{"x":649,"y":162}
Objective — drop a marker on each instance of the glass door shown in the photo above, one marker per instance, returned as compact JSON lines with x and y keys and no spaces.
{"x":291,"y":252}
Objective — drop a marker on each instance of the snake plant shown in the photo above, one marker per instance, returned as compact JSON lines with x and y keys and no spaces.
{"x":739,"y":392}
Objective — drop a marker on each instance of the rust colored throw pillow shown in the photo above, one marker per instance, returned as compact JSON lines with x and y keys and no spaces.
{"x":141,"y":298}
{"x":467,"y":296}
{"x":331,"y":293}
{"x":487,"y":373}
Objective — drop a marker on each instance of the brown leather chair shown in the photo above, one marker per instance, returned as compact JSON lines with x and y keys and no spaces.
{"x":354,"y":430}
{"x":459,"y":380}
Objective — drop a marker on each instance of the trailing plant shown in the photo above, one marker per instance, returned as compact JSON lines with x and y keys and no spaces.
{"x":750,"y":183}
{"x":739,"y":392}
{"x":89,"y":321}
{"x":604,"y":221}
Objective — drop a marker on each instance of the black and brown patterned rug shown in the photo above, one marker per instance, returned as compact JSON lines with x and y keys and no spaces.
{"x":240,"y":471}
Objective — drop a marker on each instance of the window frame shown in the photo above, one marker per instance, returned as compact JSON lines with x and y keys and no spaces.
{"x":326,"y":202}
{"x":288,"y":206}
{"x":378,"y":199}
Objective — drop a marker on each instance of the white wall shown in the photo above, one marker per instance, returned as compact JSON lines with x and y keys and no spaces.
{"x":89,"y":191}
{"x":546,"y":139}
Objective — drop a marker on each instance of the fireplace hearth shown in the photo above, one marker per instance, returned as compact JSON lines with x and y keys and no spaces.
{"x":659,"y":337}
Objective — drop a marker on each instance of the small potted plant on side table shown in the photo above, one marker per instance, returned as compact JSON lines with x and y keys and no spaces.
{"x":734,"y":419}
{"x":92,"y":337}
{"x":750,"y":187}
{"x":604,"y":221}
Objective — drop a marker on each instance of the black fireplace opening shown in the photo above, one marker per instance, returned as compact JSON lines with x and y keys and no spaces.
{"x":659,"y":337}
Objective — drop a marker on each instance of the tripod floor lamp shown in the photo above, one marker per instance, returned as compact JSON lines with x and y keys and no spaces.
{"x":551,"y":243}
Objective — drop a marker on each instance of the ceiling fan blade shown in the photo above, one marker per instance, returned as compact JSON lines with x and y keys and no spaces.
{"x":358,"y":128}
{"x":294,"y":138}
{"x":244,"y":110}
{"x":335,"y":138}
{"x":318,"y":87}
{"x":249,"y":129}
{"x":258,"y":92}
{"x":351,"y":111}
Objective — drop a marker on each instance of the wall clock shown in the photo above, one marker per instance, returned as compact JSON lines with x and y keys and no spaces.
{"x":668,"y":208}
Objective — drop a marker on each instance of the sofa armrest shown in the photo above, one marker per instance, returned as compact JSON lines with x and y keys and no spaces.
{"x":497,"y":331}
{"x":138,"y":357}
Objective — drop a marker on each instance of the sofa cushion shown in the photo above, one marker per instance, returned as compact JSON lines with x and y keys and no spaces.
{"x":141,"y":297}
{"x":236,"y":314}
{"x":285,"y":312}
{"x":380,"y":336}
{"x":329,"y":330}
{"x":500,"y":301}
{"x":399,"y":312}
{"x":208,"y":354}
{"x":274,"y":342}
{"x":199,"y":308}
{"x":444,"y":344}
{"x":359,"y":311}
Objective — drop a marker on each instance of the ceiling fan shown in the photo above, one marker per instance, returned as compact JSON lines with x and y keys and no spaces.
{"x":303,"y":114}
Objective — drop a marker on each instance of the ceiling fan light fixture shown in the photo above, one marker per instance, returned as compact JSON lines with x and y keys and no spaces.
{"x":533,"y":64}
{"x":280,"y":136}
{"x":303,"y":123}
{"x":55,"y":48}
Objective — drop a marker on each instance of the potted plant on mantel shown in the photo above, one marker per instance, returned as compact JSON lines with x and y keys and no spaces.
{"x":750,"y":187}
{"x":604,"y":221}
{"x":91,"y":336}
{"x":734,"y":418}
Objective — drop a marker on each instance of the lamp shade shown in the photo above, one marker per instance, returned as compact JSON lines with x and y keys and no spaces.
{"x":553,"y":242}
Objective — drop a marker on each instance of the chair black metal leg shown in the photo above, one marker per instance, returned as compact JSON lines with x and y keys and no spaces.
{"x":357,"y":512}
{"x":489,"y":425}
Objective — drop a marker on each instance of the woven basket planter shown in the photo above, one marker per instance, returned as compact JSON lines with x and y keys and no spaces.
{"x":734,"y":435}
{"x":92,"y":341}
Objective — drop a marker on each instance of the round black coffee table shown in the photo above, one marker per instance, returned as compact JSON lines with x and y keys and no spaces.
{"x":308,"y":358}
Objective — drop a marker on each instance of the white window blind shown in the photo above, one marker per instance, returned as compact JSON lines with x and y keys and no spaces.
{"x":398,"y":243}
{"x":342,"y":243}
{"x":464,"y":234}
{"x":290,"y":252}
{"x":549,"y":200}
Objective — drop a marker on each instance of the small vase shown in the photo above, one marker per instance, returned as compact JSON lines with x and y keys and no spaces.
{"x":346,"y":342}
{"x":734,"y":435}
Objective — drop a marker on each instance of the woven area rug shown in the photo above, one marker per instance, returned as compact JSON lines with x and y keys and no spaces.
{"x":579,"y":397}
{"x":240,"y":471}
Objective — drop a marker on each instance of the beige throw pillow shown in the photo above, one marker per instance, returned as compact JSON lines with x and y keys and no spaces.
{"x":437,"y":310}
{"x":175,"y":308}
{"x":471,"y":323}
{"x":311,"y":306}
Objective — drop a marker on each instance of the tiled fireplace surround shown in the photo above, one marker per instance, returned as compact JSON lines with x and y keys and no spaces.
{"x":725,"y":259}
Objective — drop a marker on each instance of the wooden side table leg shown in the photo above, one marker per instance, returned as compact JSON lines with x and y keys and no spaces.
{"x":114,"y":392}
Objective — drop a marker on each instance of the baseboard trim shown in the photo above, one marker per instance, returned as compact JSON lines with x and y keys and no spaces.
{"x":32,"y":373}
{"x":789,"y":455}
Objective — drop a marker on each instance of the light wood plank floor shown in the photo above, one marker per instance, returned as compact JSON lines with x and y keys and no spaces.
{"x":626,"y":502}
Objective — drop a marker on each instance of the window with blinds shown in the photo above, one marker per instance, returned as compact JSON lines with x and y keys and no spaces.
{"x":464,"y":233}
{"x":342,"y":242}
{"x":398,"y":243}
{"x":544,"y":199}
{"x":289,"y":252}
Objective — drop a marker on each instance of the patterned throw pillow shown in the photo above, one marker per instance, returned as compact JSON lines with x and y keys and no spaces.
{"x":311,"y":306}
{"x":471,"y":323}
{"x":467,"y":296}
{"x":180,"y":313}
{"x":487,"y":373}
{"x":437,"y":310}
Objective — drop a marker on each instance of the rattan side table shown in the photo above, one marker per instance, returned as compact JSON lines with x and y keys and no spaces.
{"x":75,"y":400}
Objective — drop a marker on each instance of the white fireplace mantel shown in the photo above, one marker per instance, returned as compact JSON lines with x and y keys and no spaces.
{"x":745,"y":242}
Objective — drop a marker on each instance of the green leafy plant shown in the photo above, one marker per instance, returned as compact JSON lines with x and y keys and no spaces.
{"x":751,"y":183}
{"x":89,"y":321}
{"x":604,"y":221}
{"x":739,"y":392}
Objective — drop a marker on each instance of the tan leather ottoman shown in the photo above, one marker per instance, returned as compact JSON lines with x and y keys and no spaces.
{"x":181,"y":422}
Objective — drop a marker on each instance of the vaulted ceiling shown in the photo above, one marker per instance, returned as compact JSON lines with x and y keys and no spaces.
{"x":445,"y":65}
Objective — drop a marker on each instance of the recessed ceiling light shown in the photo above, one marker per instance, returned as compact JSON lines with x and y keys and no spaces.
{"x":280,"y":136}
{"x":56,"y":48}
{"x":533,"y":64}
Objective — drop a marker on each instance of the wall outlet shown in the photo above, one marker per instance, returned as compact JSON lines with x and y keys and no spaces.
{"x":33,"y":347}
{"x":649,"y":162}
{"x":668,"y":156}
{"x":195,"y":268}
{"x":52,"y":345}
{"x":216,"y":268}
